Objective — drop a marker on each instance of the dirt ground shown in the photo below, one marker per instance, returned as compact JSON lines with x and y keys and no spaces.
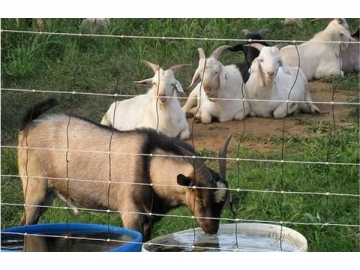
{"x":253,"y":132}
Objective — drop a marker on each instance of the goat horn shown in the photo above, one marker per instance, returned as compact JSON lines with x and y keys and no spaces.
{"x":263,"y":32}
{"x":279,"y":45}
{"x":222,"y":158}
{"x":256,"y":45}
{"x":322,"y":19}
{"x":356,"y":33}
{"x":222,"y":165}
{"x":153,"y":66}
{"x":201,"y":53}
{"x":341,"y":20}
{"x":199,"y":166}
{"x":176,"y":68}
{"x":246,"y":32}
{"x":215,"y":54}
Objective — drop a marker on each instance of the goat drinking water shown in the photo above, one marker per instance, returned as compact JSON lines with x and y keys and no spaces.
{"x":140,"y":174}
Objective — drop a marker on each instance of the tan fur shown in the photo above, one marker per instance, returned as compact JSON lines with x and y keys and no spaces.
{"x":87,"y":160}
{"x":96,"y":167}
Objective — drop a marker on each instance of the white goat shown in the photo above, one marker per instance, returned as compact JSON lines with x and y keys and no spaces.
{"x":95,"y":25}
{"x":269,"y":86}
{"x":220,"y":94}
{"x":293,"y":21}
{"x":351,"y":57}
{"x":320,"y":56}
{"x":159,"y":109}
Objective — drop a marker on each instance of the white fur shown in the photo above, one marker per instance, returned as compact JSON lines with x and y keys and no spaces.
{"x":95,"y":25}
{"x":272,"y":83}
{"x":320,"y":56}
{"x":351,"y":57}
{"x":159,"y":109}
{"x":220,"y":92}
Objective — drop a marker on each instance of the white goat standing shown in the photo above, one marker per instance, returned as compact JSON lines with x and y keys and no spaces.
{"x":220,"y":94}
{"x":159,"y":109}
{"x":320,"y":56}
{"x":272,"y":83}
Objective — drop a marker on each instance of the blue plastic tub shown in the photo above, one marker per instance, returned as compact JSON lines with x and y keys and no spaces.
{"x":70,"y":237}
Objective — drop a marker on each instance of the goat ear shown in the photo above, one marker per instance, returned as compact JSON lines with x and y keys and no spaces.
{"x":195,"y":80}
{"x":285,"y":67}
{"x":179,"y":87}
{"x":254,"y":66}
{"x":279,"y":45}
{"x":344,"y":36}
{"x":144,"y":82}
{"x":222,"y":78}
{"x":184,"y":181}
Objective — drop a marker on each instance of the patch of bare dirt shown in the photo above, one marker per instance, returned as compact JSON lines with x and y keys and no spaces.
{"x":254,"y":132}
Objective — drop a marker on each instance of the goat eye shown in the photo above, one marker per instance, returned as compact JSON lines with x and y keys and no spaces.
{"x":200,"y":203}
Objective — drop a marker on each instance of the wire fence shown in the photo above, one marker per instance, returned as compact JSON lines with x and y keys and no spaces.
{"x":237,"y":176}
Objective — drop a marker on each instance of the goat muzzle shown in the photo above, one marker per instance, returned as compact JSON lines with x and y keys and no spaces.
{"x":208,"y":92}
{"x":162,"y":99}
{"x":270,"y":76}
{"x":210,"y":226}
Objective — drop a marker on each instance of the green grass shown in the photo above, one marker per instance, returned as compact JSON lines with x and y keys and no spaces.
{"x":110,"y":65}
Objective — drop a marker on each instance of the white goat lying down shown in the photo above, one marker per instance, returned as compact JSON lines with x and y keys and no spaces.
{"x":320,"y":56}
{"x":219,"y":94}
{"x":351,"y":57}
{"x":273,"y":82}
{"x":159,"y":109}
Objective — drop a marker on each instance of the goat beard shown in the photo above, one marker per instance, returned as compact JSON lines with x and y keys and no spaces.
{"x":212,"y":95}
{"x":162,"y":106}
{"x":266,"y":81}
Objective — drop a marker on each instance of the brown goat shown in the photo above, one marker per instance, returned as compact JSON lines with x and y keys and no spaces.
{"x":140,"y":174}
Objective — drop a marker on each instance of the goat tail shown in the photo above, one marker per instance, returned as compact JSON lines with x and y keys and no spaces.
{"x":36,"y":110}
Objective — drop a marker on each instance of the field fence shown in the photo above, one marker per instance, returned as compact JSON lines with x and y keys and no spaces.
{"x":238,"y":160}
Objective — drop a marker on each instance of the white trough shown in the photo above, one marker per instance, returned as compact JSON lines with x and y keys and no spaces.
{"x":235,"y":237}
